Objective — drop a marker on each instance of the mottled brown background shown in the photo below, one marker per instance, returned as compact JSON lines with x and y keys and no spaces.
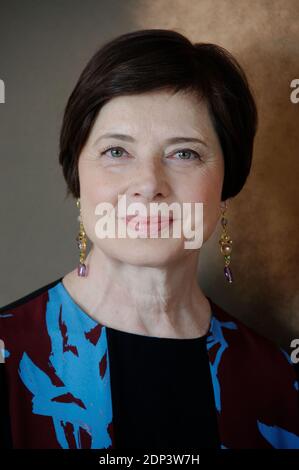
{"x":43,"y":48}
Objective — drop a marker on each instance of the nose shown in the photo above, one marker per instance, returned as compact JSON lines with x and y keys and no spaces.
{"x":149,"y":182}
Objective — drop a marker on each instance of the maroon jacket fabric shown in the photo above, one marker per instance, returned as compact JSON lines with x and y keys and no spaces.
{"x":57,"y":378}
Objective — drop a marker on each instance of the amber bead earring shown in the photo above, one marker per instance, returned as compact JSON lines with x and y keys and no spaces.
{"x":225,"y":243}
{"x":82,"y":244}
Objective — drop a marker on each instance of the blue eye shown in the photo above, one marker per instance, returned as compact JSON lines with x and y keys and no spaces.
{"x":113,"y":148}
{"x":188,"y":151}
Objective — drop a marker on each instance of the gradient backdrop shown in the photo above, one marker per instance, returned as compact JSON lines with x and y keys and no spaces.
{"x":45,"y":44}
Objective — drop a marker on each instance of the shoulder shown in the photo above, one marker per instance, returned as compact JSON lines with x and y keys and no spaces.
{"x":24,"y":300}
{"x":242,"y":335}
{"x":255,"y":381}
{"x":26,"y":311}
{"x":248,"y":349}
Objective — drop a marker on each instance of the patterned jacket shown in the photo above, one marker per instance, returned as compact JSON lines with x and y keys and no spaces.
{"x":56,"y":374}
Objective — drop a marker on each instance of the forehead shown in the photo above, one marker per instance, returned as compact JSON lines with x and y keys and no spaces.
{"x":156,"y":111}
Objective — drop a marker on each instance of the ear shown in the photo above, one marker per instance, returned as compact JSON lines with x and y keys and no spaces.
{"x":223,"y":205}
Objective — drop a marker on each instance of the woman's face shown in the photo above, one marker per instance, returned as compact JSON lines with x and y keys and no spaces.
{"x":146,"y":168}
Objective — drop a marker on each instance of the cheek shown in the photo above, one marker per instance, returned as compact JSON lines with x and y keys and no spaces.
{"x":95,"y":188}
{"x":206,"y":188}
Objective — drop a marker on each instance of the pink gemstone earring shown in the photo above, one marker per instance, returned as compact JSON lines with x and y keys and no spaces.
{"x":225,"y":243}
{"x":82,"y":243}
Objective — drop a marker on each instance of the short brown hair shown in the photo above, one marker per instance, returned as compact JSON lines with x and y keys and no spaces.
{"x":160,"y":59}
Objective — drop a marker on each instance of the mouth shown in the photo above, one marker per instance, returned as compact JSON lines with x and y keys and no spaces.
{"x":144,"y":225}
{"x":154,"y":220}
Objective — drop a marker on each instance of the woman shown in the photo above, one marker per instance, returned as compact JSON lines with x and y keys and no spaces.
{"x":126,"y":351}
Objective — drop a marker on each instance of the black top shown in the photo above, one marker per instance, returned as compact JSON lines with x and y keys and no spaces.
{"x":162,"y":393}
{"x":57,"y":393}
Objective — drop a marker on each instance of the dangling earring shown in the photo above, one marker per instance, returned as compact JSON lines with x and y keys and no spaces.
{"x":225,"y":243}
{"x":82,"y":243}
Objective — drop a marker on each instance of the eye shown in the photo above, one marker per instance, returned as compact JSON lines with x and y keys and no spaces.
{"x":113,"y":156}
{"x":186,"y":153}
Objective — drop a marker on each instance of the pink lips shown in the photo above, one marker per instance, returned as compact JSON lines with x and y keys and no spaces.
{"x":149,"y":220}
{"x":143,"y":224}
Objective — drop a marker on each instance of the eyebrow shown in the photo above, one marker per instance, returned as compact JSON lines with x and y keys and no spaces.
{"x":171,"y":140}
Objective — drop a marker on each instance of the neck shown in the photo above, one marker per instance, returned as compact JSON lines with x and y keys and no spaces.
{"x":152,"y":300}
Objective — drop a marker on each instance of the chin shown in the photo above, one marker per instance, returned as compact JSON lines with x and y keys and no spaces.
{"x":145,"y":252}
